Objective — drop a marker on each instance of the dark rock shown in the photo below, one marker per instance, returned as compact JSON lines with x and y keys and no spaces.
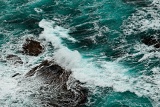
{"x":150,"y":40}
{"x":16,"y":75}
{"x":54,"y":91}
{"x":14,"y":58}
{"x":32,"y":47}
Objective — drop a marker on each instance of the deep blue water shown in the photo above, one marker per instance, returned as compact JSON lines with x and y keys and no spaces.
{"x":122,"y":71}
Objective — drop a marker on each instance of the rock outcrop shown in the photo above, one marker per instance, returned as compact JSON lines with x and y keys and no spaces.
{"x":150,"y":40}
{"x":54,"y":89}
{"x":32,"y":47}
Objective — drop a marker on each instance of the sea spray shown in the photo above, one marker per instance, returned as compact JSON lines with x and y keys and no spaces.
{"x":117,"y":58}
{"x":108,"y":74}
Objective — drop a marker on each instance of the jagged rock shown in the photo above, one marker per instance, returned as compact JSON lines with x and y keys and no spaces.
{"x":150,"y":40}
{"x":14,"y":58}
{"x":32,"y":47}
{"x":54,"y":91}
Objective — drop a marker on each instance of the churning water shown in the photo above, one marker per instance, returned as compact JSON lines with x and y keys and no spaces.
{"x":99,"y":40}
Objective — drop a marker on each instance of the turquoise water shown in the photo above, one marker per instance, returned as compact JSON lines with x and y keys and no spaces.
{"x":116,"y":66}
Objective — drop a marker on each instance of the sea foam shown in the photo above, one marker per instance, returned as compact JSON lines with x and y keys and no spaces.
{"x":98,"y":73}
{"x":143,"y":19}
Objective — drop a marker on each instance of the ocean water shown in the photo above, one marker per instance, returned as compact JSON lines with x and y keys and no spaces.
{"x":99,"y":40}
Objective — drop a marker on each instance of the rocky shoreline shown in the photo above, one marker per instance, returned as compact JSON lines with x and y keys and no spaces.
{"x":56,"y":87}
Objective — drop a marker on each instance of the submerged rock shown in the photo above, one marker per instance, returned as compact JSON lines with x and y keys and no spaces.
{"x":54,"y":88}
{"x":150,"y":40}
{"x":32,"y":47}
{"x":14,"y":59}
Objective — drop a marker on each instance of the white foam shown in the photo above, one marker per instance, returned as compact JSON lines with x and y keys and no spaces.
{"x":148,"y":52}
{"x":67,"y":58}
{"x":12,"y":93}
{"x":110,"y":74}
{"x":145,"y":18}
{"x":53,"y":33}
{"x":98,"y":73}
{"x":103,"y":73}
{"x":145,"y":85}
{"x":84,"y":70}
{"x":38,"y":10}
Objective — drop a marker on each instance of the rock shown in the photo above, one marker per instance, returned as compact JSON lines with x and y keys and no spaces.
{"x":15,"y":75}
{"x":54,"y":91}
{"x":32,"y":47}
{"x":150,"y":40}
{"x":14,"y":59}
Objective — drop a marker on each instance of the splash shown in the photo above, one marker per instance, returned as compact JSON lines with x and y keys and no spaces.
{"x":100,"y":73}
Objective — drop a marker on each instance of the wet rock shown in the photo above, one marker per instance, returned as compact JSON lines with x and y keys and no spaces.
{"x":150,"y":40}
{"x":54,"y":89}
{"x":15,"y":75}
{"x":32,"y":47}
{"x":14,"y":59}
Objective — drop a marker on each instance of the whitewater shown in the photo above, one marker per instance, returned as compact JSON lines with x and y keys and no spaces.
{"x":99,"y":41}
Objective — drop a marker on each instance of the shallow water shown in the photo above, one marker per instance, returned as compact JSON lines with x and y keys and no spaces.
{"x":99,"y":40}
